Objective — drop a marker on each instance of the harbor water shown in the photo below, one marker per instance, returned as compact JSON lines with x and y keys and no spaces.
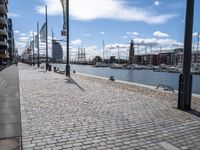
{"x":146,"y":77}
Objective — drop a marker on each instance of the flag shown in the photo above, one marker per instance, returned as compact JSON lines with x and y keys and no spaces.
{"x":43,"y":33}
{"x":63,"y":32}
{"x":36,"y":40}
{"x":32,"y":44}
{"x":64,"y":6}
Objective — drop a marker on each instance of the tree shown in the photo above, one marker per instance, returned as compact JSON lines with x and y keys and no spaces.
{"x":96,"y":59}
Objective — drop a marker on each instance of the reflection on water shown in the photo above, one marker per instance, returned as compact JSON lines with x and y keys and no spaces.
{"x":146,"y":77}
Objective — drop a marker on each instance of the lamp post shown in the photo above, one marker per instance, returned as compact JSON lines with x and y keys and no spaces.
{"x":185,"y":82}
{"x":67,"y":40}
{"x":47,"y":61}
{"x":38,"y":46}
{"x":33,"y":50}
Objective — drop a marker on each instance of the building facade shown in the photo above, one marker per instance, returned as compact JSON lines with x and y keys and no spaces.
{"x":195,"y":60}
{"x":167,"y":58}
{"x":4,"y":55}
{"x":173,"y":58}
{"x":11,"y":41}
{"x":57,"y":52}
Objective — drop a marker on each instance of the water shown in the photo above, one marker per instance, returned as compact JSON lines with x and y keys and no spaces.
{"x":146,"y":77}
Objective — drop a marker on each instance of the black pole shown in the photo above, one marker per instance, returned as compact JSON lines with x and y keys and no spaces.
{"x":52,"y":34}
{"x":38,"y":45}
{"x":67,"y":43}
{"x":185,"y":101}
{"x":198,"y":42}
{"x":47,"y":63}
{"x":33,"y":49}
{"x":30,"y":51}
{"x":52,"y":40}
{"x":103,"y":49}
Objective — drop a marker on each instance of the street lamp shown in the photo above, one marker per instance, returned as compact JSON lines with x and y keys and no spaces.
{"x":185,"y":82}
{"x":65,"y":5}
{"x":67,"y":39}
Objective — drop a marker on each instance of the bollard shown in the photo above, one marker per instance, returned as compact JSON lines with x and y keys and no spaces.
{"x":49,"y":67}
{"x":191,"y":81}
{"x":111,"y":78}
{"x":54,"y":69}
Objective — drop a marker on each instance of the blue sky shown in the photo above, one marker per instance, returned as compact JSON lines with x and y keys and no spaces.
{"x":148,"y":22}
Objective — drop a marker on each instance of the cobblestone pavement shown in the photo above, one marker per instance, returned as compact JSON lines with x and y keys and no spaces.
{"x":89,"y":113}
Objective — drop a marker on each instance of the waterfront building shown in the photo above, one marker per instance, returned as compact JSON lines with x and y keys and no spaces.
{"x":4,"y":55}
{"x":195,"y":58}
{"x":152,"y":59}
{"x":167,"y":58}
{"x":149,"y":59}
{"x":57,"y":52}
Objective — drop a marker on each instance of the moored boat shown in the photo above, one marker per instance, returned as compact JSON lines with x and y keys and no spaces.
{"x":101,"y":64}
{"x":116,"y":66}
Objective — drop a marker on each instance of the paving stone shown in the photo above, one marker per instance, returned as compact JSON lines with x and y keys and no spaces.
{"x":92,"y":113}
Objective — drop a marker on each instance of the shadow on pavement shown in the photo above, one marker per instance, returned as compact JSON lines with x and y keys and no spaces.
{"x":72,"y":81}
{"x":194,"y":112}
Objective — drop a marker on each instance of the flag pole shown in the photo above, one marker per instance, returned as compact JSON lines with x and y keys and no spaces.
{"x":38,"y":45}
{"x":33,"y":49}
{"x":47,"y":63}
{"x":30,"y":51}
{"x":52,"y":40}
{"x":52,"y":33}
{"x":67,"y":39}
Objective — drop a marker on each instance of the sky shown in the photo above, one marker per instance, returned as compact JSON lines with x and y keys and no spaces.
{"x":158,"y":24}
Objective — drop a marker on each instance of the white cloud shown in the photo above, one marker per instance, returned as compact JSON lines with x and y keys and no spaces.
{"x":157,"y":3}
{"x":125,"y":37}
{"x":20,"y":46}
{"x":23,"y":34}
{"x":156,"y":42}
{"x":92,"y":51}
{"x":23,"y":39}
{"x":195,"y":34}
{"x":11,"y":15}
{"x":76,"y":42}
{"x":102,"y":33}
{"x":52,"y":10}
{"x":17,"y":32}
{"x":87,"y":34}
{"x":116,"y":45}
{"x":132,"y":33}
{"x":160,"y":34}
{"x":32,"y":32}
{"x":112,"y":50}
{"x":105,"y":9}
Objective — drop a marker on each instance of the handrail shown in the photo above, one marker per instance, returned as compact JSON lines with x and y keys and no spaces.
{"x":165,"y":87}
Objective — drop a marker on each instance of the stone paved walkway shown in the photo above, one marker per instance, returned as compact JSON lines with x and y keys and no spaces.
{"x":10,"y":120}
{"x":88,"y":113}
